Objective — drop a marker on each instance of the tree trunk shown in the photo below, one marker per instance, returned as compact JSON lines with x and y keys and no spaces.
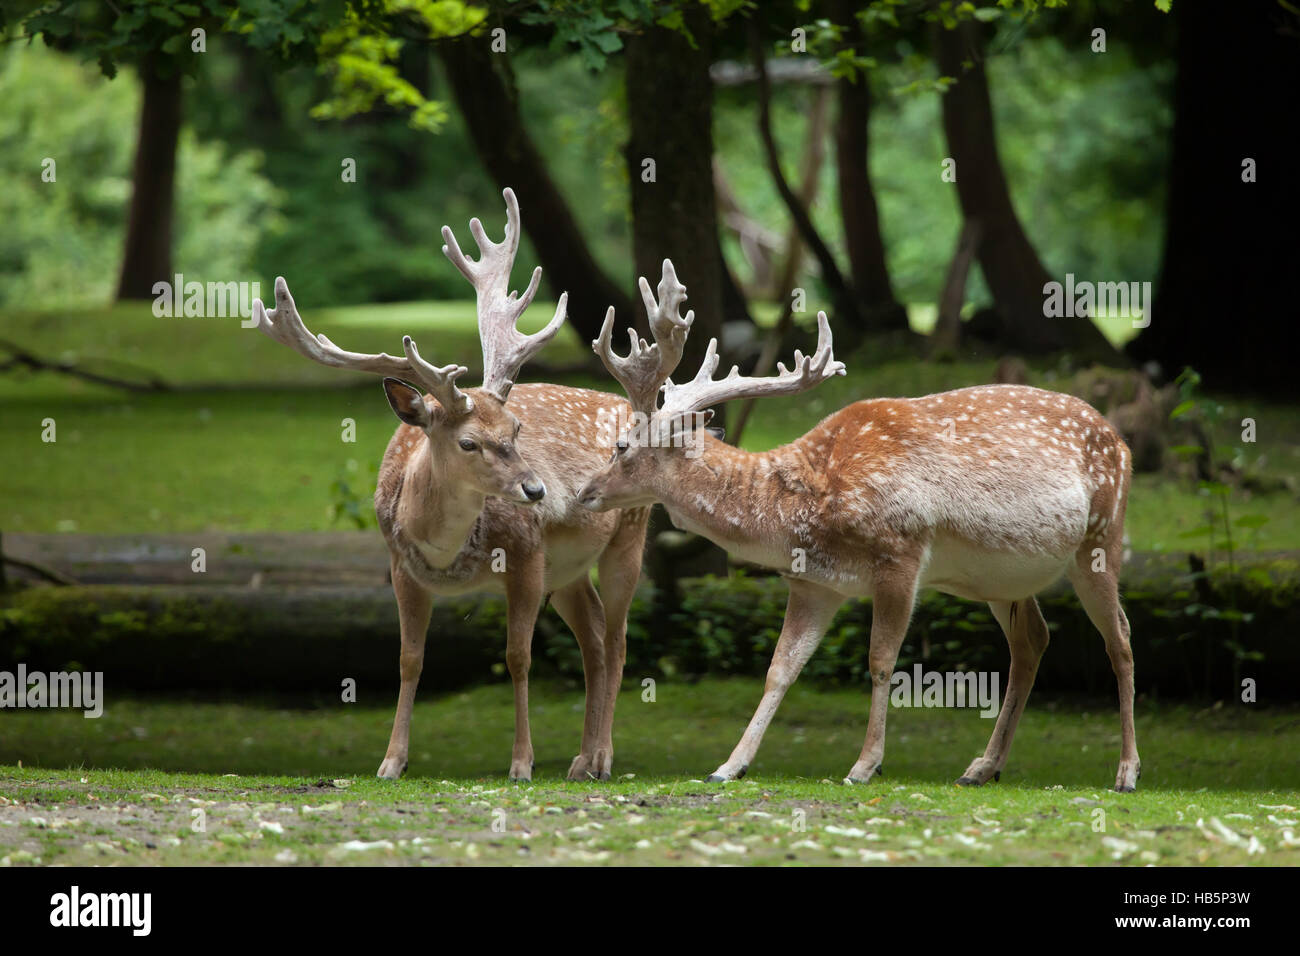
{"x":946,"y":337}
{"x":810,"y":168}
{"x":1222,"y":297}
{"x":670,"y":121}
{"x":1010,"y":265}
{"x":858,"y":210}
{"x":489,"y":104}
{"x":148,"y":253}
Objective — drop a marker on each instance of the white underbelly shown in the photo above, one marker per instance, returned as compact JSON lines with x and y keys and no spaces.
{"x":959,"y":568}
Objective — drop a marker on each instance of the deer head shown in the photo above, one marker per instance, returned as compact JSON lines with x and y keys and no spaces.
{"x":659,"y":435}
{"x":471,"y":434}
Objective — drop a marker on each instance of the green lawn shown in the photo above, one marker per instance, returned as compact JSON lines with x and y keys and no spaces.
{"x":262,"y":448}
{"x":292,"y":785}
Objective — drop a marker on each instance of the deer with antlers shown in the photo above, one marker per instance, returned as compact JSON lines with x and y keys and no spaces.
{"x":987,"y":493}
{"x":477,"y":493}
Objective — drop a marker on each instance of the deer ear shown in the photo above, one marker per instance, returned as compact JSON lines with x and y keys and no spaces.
{"x":686,"y":422}
{"x":408,"y":403}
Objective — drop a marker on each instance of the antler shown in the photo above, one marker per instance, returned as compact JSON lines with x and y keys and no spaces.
{"x":703,"y":391}
{"x":285,"y":325}
{"x":505,"y":348}
{"x":647,"y":367}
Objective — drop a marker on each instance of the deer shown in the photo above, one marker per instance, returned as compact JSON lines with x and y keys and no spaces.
{"x":988,"y":493}
{"x":477,"y":493}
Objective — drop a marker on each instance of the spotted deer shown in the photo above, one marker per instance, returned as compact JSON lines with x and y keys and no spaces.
{"x":987,"y":493}
{"x":479,"y":494}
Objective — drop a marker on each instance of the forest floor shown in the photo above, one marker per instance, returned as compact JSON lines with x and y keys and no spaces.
{"x":187,"y":782}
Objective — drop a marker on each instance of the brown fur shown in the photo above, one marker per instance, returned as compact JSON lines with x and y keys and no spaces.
{"x":444,"y":515}
{"x":988,"y":493}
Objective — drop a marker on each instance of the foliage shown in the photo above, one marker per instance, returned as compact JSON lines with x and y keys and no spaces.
{"x":1219,"y":523}
{"x":62,"y":241}
{"x":160,"y":637}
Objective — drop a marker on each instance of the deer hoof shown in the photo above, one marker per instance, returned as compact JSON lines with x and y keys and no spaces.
{"x":392,"y":768}
{"x":969,"y":782}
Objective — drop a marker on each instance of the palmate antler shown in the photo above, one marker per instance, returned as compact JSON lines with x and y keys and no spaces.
{"x":285,"y":325}
{"x":505,"y":348}
{"x":647,"y":368}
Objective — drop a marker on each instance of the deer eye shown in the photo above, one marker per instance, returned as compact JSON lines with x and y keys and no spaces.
{"x":621,"y":446}
{"x":467,"y":445}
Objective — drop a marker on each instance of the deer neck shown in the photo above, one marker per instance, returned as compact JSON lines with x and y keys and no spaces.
{"x":746,"y":502}
{"x":437,"y":511}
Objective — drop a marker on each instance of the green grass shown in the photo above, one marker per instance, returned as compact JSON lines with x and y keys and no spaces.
{"x":261,"y":451}
{"x":307,"y":773}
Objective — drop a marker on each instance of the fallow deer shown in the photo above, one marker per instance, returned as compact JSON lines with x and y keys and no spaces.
{"x":987,"y":493}
{"x":470,"y":483}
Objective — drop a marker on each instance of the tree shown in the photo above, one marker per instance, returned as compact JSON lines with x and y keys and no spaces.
{"x":1223,"y":295}
{"x":859,"y":213}
{"x":484,"y":90}
{"x":1011,"y":267}
{"x":161,"y":41}
{"x":147,"y":255}
{"x":669,"y":157}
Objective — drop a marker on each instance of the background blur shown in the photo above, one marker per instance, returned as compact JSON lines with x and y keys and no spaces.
{"x":918,"y":169}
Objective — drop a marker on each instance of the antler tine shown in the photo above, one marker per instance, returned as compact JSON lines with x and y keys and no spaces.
{"x":505,"y":348}
{"x":648,"y":366}
{"x":441,"y":382}
{"x":286,"y":326}
{"x":703,"y":391}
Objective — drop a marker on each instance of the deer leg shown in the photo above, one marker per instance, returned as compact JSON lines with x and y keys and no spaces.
{"x":414,"y":606}
{"x":580,"y":607}
{"x":1022,"y":622}
{"x":807,"y":615}
{"x":891,"y":609}
{"x":620,"y":568}
{"x":1099,"y":594}
{"x":523,"y":601}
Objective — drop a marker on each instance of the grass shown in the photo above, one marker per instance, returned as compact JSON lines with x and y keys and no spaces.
{"x":295,"y":785}
{"x":262,"y":450}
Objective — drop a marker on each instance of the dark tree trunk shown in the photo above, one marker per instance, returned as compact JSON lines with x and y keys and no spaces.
{"x":858,"y":210}
{"x":1011,"y":267}
{"x":1224,"y":296}
{"x":670,"y":121}
{"x":148,"y":252}
{"x":489,"y":104}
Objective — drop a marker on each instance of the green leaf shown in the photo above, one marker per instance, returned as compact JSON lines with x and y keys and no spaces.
{"x":1183,"y":408}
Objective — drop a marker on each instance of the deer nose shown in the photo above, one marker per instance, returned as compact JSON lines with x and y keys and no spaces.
{"x":534,"y":489}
